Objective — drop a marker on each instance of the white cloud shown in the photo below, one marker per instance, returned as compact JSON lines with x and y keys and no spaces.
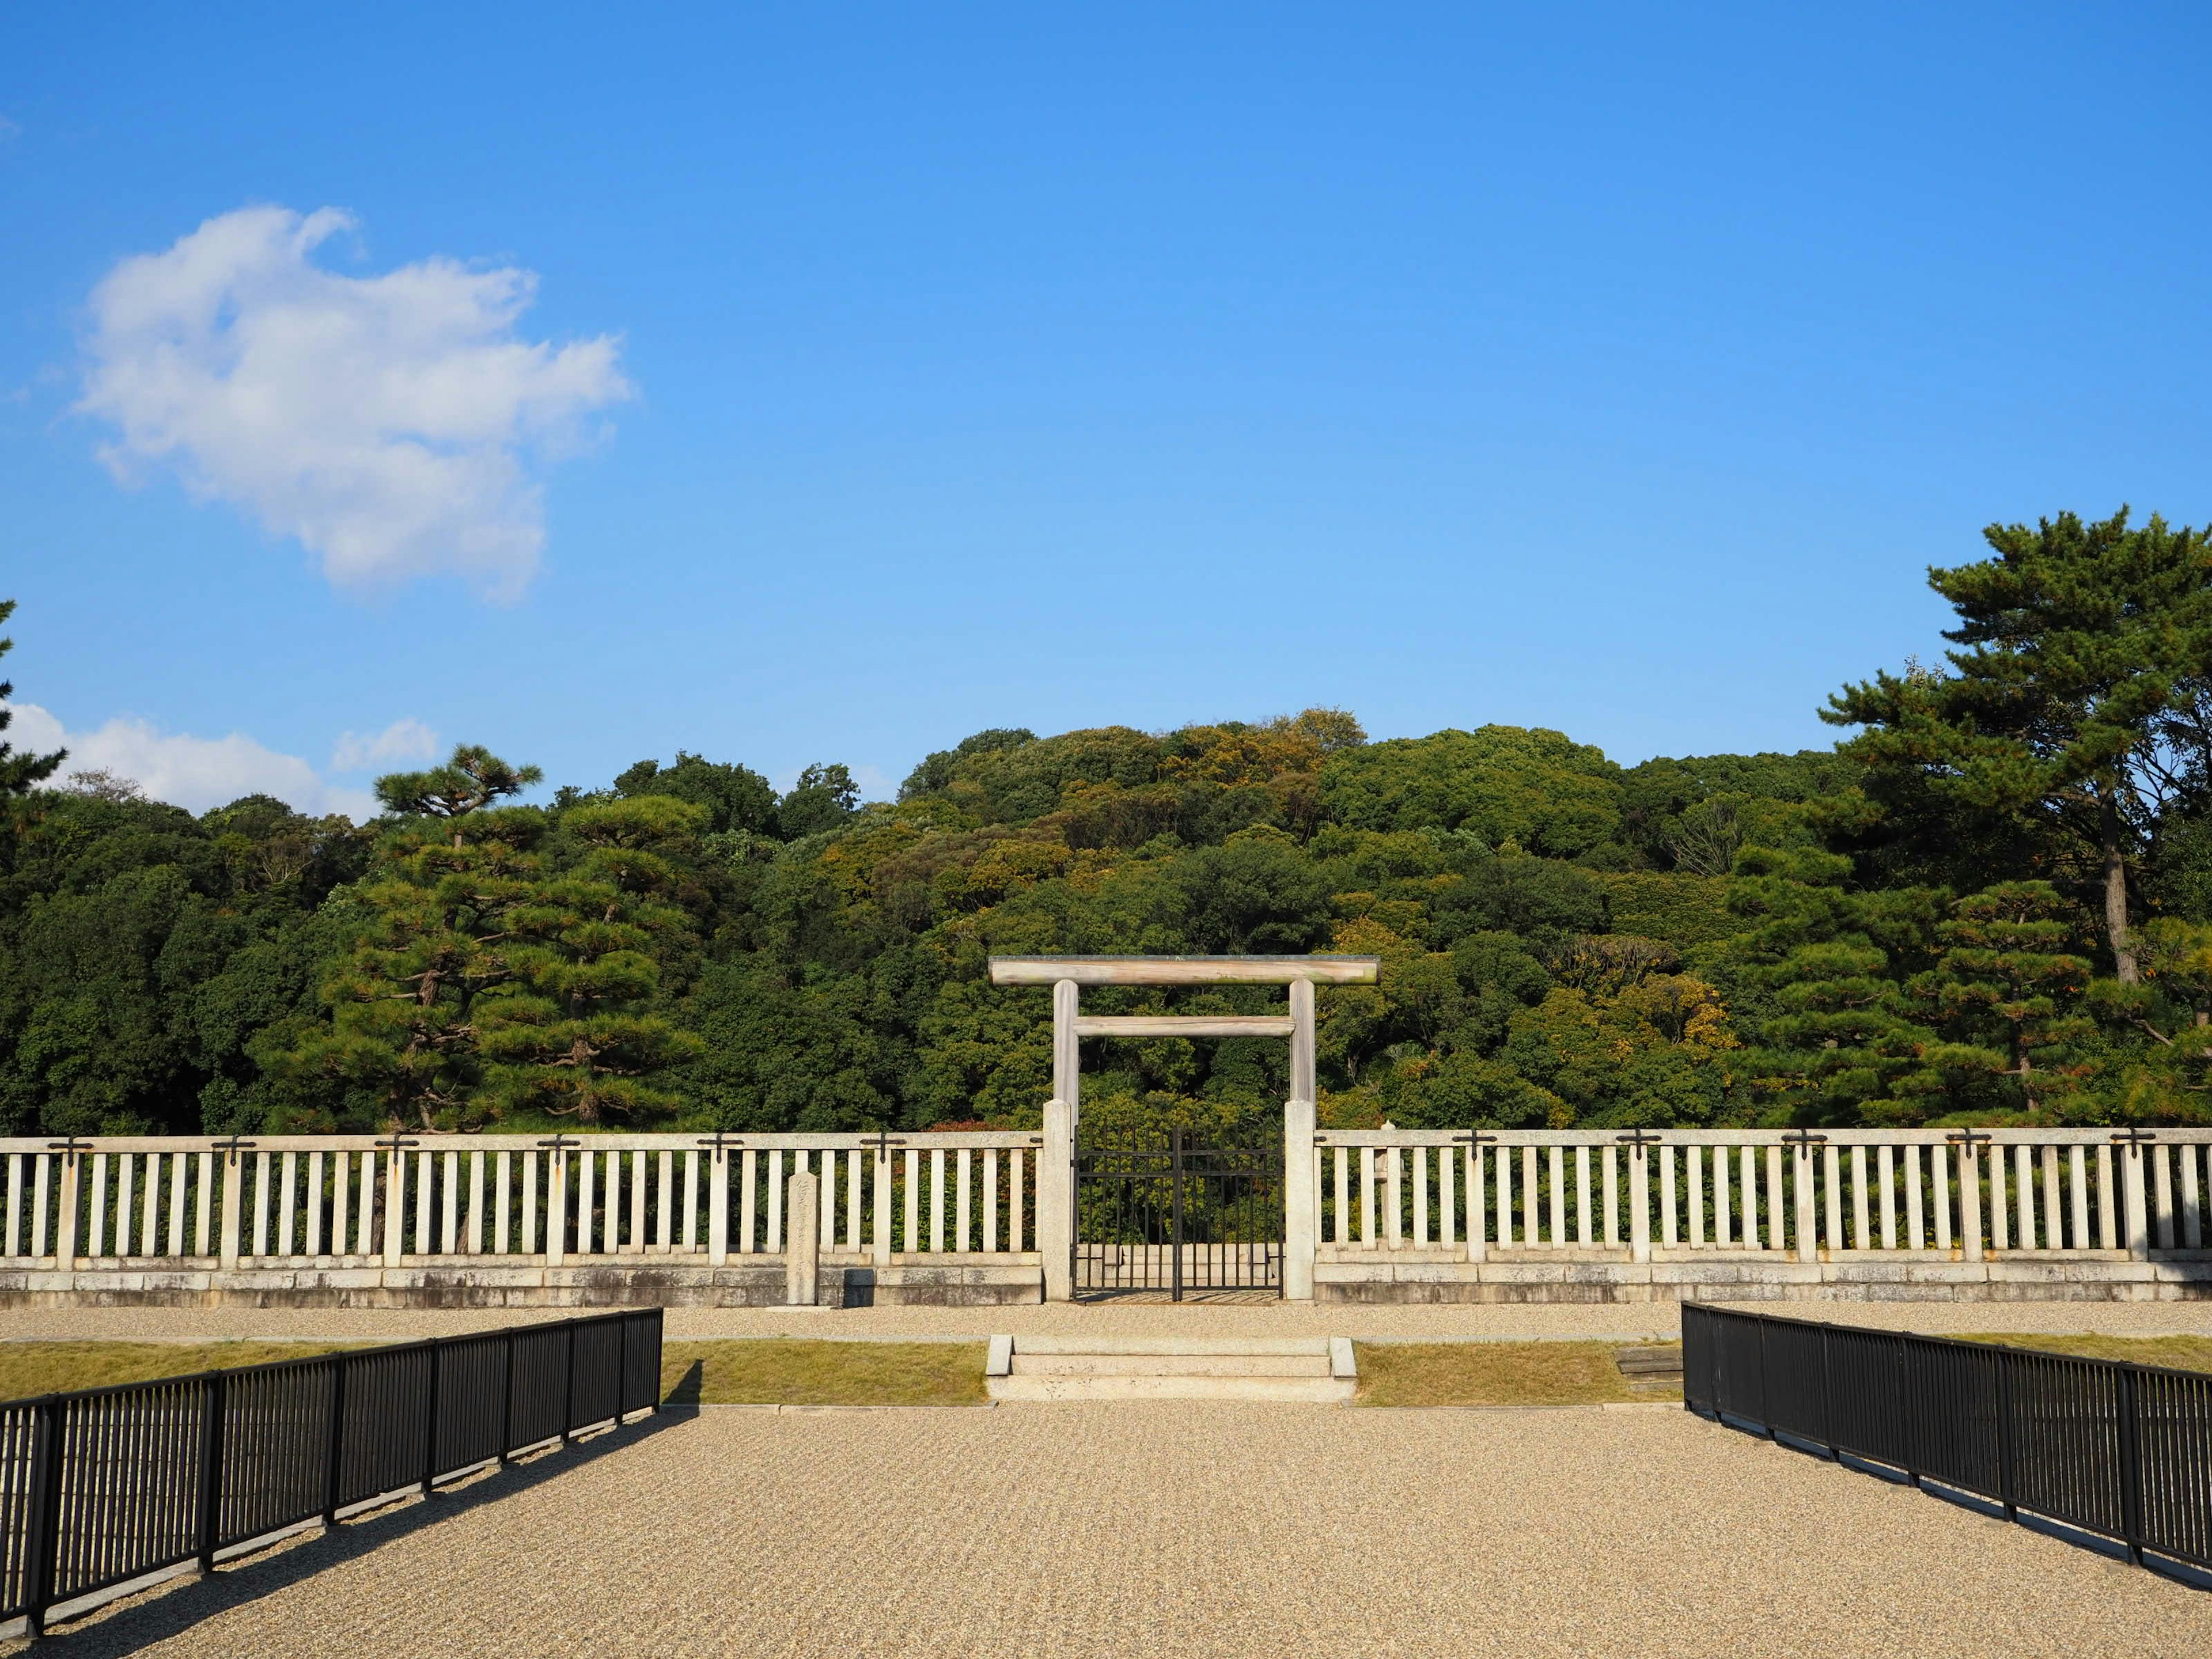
{"x":193,"y":773}
{"x":403,"y":740}
{"x":393,"y":423}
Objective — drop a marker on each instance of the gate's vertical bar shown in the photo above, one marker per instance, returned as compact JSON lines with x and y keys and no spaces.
{"x":1175,"y":1234}
{"x":1301,"y":1202}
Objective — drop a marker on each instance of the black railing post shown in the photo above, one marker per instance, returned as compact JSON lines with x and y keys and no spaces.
{"x":334,"y":1448}
{"x":1765,"y":1407}
{"x":430,"y":1417}
{"x":2131,"y":1504}
{"x":2007,"y":1492}
{"x":569,"y":1386}
{"x":507,"y":1402}
{"x":1906,"y":1443}
{"x":622,"y":1369}
{"x":1828,"y":1392}
{"x":46,"y":1516}
{"x":211,"y":1432}
{"x":660,"y":1342}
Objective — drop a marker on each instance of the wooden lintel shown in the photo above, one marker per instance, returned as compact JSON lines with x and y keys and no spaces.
{"x":1185,"y":970}
{"x":1182,"y":1025}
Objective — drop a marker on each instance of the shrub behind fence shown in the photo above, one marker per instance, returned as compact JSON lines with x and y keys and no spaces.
{"x":2108,"y":1447}
{"x":106,"y":1485}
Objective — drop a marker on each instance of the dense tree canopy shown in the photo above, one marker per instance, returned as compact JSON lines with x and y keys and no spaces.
{"x":1992,"y":903}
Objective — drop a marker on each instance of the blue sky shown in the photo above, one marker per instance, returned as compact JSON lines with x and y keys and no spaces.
{"x":891,"y":372}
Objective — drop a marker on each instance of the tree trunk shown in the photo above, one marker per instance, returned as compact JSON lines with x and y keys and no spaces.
{"x":2116,"y":890}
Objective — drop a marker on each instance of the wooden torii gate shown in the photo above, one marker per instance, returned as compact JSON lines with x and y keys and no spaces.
{"x":1056,"y":1217}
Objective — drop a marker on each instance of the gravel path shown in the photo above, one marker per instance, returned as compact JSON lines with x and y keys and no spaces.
{"x":1623,"y":1322}
{"x":1172,"y":1529}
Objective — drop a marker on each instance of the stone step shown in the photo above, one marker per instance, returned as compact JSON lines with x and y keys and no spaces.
{"x":1176,"y":1345}
{"x":1279,"y":1390}
{"x":1026,"y":1364}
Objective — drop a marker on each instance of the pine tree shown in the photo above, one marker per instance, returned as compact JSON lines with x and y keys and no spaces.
{"x":572,"y":1035}
{"x":2070,"y":715}
{"x":1839,"y":1046}
{"x":436,"y":938}
{"x":2008,"y":993}
{"x":19,"y":774}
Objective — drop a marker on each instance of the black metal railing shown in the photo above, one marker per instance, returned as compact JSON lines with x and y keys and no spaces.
{"x":106,"y":1486}
{"x":2105,"y":1446}
{"x":1175,"y":1214}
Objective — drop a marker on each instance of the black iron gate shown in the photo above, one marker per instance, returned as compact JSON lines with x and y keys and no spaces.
{"x":1177,"y":1214}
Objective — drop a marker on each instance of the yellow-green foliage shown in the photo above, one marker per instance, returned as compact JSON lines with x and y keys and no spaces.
{"x":1684,"y":911}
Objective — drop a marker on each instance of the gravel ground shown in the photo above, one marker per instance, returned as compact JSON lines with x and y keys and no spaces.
{"x":1173,"y":1529}
{"x":1621,"y":1321}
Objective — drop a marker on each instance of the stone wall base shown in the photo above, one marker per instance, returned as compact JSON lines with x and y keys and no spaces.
{"x":1933,"y":1279}
{"x":758,"y":1283}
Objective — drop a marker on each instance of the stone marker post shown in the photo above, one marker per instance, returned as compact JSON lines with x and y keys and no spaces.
{"x":802,"y":1240}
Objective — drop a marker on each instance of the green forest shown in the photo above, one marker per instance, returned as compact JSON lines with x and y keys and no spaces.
{"x":1990,"y":902}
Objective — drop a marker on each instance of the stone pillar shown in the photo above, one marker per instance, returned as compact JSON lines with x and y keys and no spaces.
{"x":880,"y":1246}
{"x":1970,"y":1199}
{"x":557,"y":1207}
{"x":1055,"y":1196}
{"x":233,"y":1195}
{"x":395,"y":1186}
{"x":1808,"y":1241}
{"x":2139,"y":1210}
{"x":72,"y":1177}
{"x":1639,"y":1202}
{"x":718,"y":1208}
{"x":802,"y":1240}
{"x":1301,"y":1206}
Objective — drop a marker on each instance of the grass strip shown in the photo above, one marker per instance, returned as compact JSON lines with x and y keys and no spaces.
{"x":2185,"y":1353}
{"x":797,"y":1371}
{"x":36,"y":1368}
{"x":1496,"y":1374}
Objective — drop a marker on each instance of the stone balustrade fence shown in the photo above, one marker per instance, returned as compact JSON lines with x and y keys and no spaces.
{"x":273,"y":1201}
{"x":1809,"y":1195}
{"x":981,"y":1216}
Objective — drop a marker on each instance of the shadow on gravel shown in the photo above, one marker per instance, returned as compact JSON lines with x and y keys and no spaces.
{"x":174,"y":1607}
{"x":2181,"y":1572}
